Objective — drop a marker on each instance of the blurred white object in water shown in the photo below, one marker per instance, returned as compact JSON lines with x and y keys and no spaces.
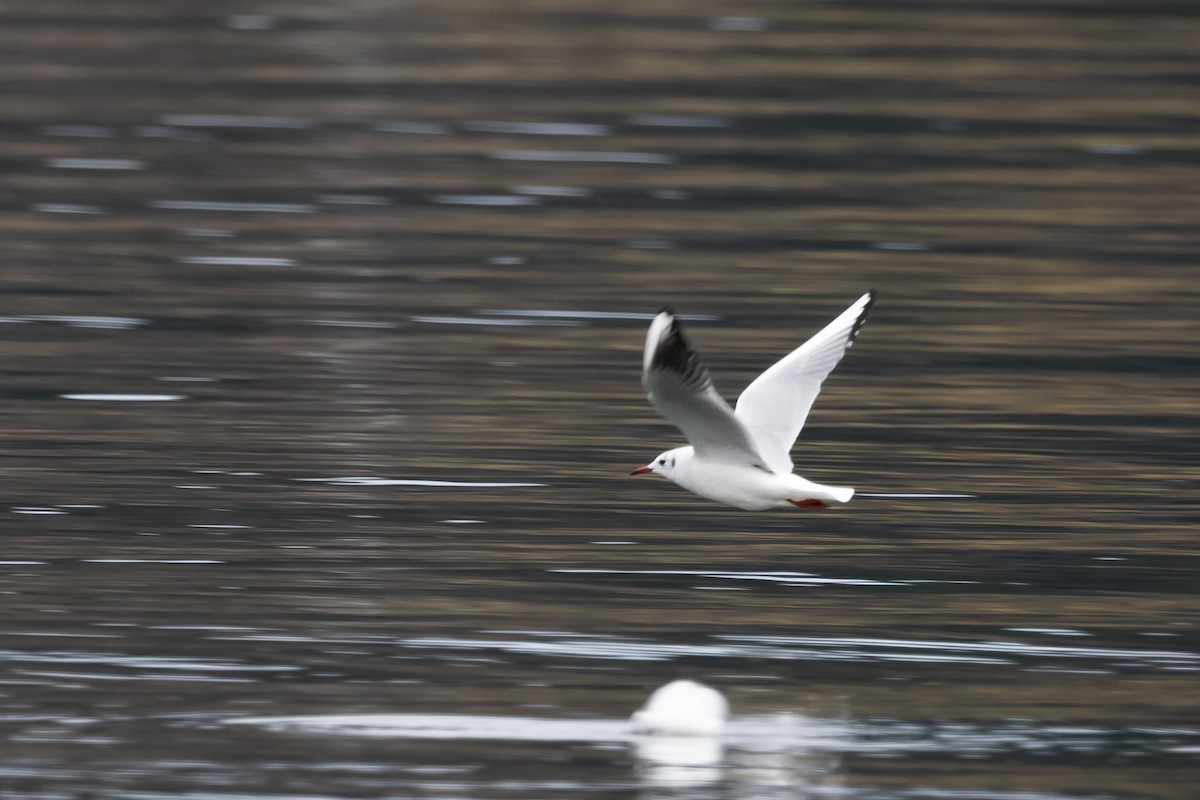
{"x":683,"y":708}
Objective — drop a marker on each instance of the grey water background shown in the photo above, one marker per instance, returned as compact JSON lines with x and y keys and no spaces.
{"x":321,"y":336}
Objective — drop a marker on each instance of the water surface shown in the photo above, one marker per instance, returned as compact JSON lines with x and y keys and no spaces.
{"x":322,"y":330}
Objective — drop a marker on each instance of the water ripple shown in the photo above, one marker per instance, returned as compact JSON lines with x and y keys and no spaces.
{"x":125,"y":398}
{"x":238,"y":261}
{"x":817,"y":648}
{"x":68,"y":208}
{"x":614,"y":650}
{"x":96,"y":163}
{"x":369,"y":481}
{"x":81,"y":320}
{"x":229,"y":205}
{"x":998,"y":651}
{"x":453,"y":320}
{"x":785,"y":731}
{"x":678,"y":121}
{"x":81,"y":131}
{"x":779,"y":578}
{"x":584,"y":156}
{"x":236,"y":121}
{"x":537,"y":128}
{"x":418,"y":128}
{"x":590,"y":315}
{"x":164,"y":663}
{"x":493,"y":200}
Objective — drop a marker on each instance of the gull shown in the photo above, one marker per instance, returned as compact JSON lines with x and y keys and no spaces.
{"x":741,"y":456}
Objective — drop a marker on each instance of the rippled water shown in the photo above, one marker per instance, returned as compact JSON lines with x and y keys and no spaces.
{"x":322,"y":329}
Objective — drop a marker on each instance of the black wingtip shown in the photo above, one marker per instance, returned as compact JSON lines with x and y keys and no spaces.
{"x":862,"y":316}
{"x":674,"y":354}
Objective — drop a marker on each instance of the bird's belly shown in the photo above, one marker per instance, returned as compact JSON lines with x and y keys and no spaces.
{"x":744,"y":487}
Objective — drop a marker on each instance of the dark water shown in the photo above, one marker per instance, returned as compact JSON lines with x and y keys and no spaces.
{"x":321,"y":329}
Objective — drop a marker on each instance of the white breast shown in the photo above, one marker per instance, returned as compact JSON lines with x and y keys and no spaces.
{"x":751,"y":488}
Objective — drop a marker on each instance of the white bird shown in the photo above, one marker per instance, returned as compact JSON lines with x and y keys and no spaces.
{"x":682,"y":708}
{"x":742,"y":457}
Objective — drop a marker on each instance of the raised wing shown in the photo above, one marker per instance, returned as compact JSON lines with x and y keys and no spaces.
{"x":774,"y":407}
{"x":678,"y":385}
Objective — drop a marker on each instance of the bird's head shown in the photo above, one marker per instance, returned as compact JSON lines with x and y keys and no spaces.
{"x":664,"y":464}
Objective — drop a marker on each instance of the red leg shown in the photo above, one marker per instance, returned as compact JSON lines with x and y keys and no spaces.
{"x":808,"y":503}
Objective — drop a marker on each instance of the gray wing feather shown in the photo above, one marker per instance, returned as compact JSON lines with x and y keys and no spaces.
{"x":679,"y":386}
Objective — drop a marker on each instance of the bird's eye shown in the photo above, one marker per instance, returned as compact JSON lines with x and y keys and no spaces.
{"x":662,"y":462}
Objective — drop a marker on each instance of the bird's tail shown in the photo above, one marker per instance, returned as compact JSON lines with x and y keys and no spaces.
{"x":842,"y":494}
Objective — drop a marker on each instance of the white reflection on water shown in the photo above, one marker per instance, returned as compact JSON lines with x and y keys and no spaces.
{"x":537,"y":128}
{"x":1115,"y":149}
{"x":915,"y":247}
{"x":96,"y":163}
{"x":126,"y":398}
{"x":764,"y":750}
{"x":447,"y":726}
{"x":625,"y":650}
{"x":353,"y":200}
{"x":822,"y":648}
{"x":584,"y":156}
{"x":678,"y":121}
{"x":150,"y":561}
{"x":82,"y":131}
{"x":886,"y":648}
{"x":369,"y":481}
{"x":236,"y":121}
{"x":68,"y":208}
{"x":80,"y":320}
{"x":540,"y":190}
{"x":567,"y":314}
{"x":493,"y":200}
{"x":351,"y":323}
{"x":917,"y":495}
{"x":238,"y":261}
{"x":679,"y":760}
{"x":1050,"y":631}
{"x":207,"y":233}
{"x":786,"y":746}
{"x":233,"y":206}
{"x":757,"y":752}
{"x":783,"y":578}
{"x":163,"y":663}
{"x":452,"y":320}
{"x":418,"y":128}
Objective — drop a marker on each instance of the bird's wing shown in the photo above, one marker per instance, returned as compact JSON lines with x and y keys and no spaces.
{"x":774,"y":407}
{"x":678,"y":385}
